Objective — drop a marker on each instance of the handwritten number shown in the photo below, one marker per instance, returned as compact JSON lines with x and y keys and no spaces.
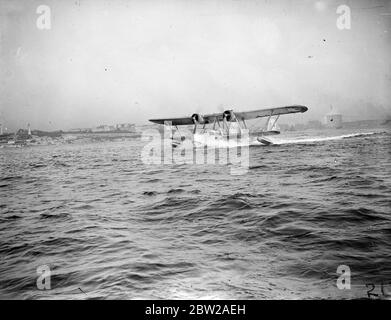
{"x":369,"y":292}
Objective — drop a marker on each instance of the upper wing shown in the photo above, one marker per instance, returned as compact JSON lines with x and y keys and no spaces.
{"x":243,"y":115}
{"x":247,"y":115}
{"x":174,"y":121}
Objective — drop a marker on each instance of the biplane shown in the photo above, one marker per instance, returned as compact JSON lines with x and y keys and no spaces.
{"x":226,"y":129}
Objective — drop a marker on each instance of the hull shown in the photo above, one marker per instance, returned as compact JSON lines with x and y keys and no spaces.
{"x":217,"y":141}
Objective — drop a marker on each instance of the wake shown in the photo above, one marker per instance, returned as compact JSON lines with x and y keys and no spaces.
{"x":321,"y":139}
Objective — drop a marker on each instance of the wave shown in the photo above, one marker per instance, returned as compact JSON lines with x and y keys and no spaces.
{"x":130,"y":231}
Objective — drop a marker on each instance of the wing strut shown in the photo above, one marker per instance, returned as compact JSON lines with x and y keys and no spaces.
{"x":244,"y":124}
{"x":274,"y":122}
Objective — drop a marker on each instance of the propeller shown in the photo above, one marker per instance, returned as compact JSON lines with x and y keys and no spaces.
{"x":228,"y":115}
{"x":196,"y":118}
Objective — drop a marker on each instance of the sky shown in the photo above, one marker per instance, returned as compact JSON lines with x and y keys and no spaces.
{"x":106,"y":62}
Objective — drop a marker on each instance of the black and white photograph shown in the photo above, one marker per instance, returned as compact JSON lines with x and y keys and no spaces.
{"x":195,"y":150}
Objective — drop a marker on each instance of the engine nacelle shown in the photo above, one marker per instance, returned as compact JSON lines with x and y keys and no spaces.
{"x":229,"y":116}
{"x":197,"y":118}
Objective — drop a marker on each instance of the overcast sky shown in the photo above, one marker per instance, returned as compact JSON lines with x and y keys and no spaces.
{"x":106,"y":62}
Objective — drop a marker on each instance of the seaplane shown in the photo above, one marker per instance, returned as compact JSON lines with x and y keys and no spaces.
{"x":228,"y":128}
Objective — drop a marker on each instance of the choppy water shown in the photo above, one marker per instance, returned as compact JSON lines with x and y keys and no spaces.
{"x":110,"y":227}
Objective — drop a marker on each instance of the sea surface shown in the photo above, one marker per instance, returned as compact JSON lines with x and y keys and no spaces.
{"x":109,"y":226}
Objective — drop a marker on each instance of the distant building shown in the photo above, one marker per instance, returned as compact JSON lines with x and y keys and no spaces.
{"x":125,"y":127}
{"x":333,"y":119}
{"x":103,"y":128}
{"x":121,"y":127}
{"x":79,"y":130}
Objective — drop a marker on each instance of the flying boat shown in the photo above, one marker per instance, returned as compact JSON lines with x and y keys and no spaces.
{"x":229,"y":128}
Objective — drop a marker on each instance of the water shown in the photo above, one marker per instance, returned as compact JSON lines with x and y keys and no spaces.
{"x":109,"y":226}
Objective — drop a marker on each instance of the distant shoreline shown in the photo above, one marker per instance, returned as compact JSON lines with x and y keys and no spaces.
{"x":98,"y":132}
